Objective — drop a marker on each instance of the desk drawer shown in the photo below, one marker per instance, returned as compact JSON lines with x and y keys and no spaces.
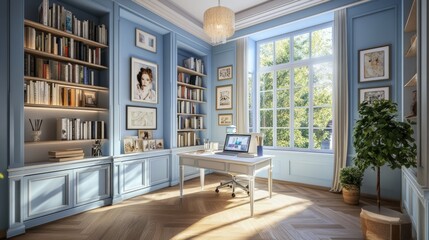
{"x":212,"y":165}
{"x":188,"y":162}
{"x":238,"y":168}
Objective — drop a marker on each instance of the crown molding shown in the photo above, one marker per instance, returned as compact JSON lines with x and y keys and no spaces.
{"x":244,"y":19}
{"x":173,"y":17}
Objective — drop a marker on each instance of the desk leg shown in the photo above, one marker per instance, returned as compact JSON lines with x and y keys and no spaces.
{"x":270,"y":179}
{"x":252,"y":192}
{"x":202,"y":175}
{"x":181,"y":179}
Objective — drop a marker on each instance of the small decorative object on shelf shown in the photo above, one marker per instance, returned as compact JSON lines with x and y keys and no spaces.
{"x":35,"y":127}
{"x":259,"y":148}
{"x":96,"y":148}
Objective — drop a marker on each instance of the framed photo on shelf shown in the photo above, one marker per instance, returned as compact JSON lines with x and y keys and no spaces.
{"x":152,"y":144}
{"x":145,"y":145}
{"x":371,"y":94}
{"x":141,"y":117}
{"x":145,"y":40}
{"x":224,"y":119}
{"x":159,"y":143}
{"x":144,"y":81}
{"x":224,"y":97}
{"x":133,"y":145}
{"x":145,"y":134}
{"x":374,"y":64}
{"x":89,"y":99}
{"x":224,"y":73}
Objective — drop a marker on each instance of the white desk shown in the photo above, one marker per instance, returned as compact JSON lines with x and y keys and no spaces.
{"x":231,"y":164}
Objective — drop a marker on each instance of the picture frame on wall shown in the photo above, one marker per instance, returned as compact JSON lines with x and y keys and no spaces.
{"x":374,"y":64}
{"x":371,"y":94}
{"x":144,"y":81}
{"x":141,"y":118}
{"x":224,"y":97}
{"x":224,"y":73}
{"x":224,"y":119}
{"x":145,"y":40}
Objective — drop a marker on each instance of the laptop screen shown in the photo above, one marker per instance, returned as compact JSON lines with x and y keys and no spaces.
{"x":237,"y":143}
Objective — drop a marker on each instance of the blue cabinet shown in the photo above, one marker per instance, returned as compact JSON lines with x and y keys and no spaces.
{"x":92,"y":184}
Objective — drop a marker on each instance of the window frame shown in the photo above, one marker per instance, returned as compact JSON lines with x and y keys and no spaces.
{"x":291,"y":65}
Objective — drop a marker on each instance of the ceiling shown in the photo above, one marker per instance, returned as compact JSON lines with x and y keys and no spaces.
{"x":188,"y":14}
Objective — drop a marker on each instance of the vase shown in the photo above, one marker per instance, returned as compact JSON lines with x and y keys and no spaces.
{"x":36,"y":135}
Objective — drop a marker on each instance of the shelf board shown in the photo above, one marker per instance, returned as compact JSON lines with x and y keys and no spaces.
{"x":410,"y":25}
{"x":61,"y":142}
{"x":189,"y":71}
{"x":191,"y":130}
{"x":63,"y":59}
{"x":190,"y":100}
{"x":74,"y":85}
{"x":191,"y":85}
{"x":412,"y":82}
{"x":412,"y":50}
{"x":411,"y":118}
{"x":61,"y":33}
{"x":65,"y":107}
{"x":191,"y":114}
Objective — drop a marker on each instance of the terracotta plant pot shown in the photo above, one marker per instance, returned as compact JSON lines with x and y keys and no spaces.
{"x":351,"y":195}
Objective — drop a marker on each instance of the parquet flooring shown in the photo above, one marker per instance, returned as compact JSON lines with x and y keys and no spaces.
{"x":294,"y":212}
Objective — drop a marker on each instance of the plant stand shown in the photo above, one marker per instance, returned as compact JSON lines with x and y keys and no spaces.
{"x":385,"y":224}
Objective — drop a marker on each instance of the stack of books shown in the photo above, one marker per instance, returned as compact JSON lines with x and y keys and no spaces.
{"x":66,"y":155}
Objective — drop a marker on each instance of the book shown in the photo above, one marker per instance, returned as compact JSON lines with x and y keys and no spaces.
{"x":62,"y":152}
{"x":43,"y":12}
{"x":64,"y":159}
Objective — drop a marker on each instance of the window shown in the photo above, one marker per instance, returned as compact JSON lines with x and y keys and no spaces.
{"x":293,"y":90}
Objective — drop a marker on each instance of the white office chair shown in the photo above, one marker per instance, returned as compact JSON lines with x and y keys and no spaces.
{"x":234,"y":182}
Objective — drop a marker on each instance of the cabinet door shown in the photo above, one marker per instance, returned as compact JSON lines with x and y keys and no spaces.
{"x":92,"y":184}
{"x":159,"y":170}
{"x":47,"y":193}
{"x":134,"y":174}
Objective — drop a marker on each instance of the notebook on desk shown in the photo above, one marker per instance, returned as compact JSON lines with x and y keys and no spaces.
{"x":236,"y":144}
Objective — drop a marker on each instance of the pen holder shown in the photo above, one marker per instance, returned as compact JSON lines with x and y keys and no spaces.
{"x":259,"y":151}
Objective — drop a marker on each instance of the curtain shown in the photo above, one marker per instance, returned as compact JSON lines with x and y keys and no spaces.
{"x":242,"y":121}
{"x":340,"y":97}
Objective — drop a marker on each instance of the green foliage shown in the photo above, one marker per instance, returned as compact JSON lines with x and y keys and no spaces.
{"x":351,"y":175}
{"x":379,"y":139}
{"x":1,"y":176}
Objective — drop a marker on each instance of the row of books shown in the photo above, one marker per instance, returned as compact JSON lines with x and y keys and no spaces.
{"x":51,"y":69}
{"x":190,"y":122}
{"x":186,"y":139}
{"x":187,"y":107}
{"x":194,"y":64}
{"x":62,"y":46}
{"x":190,"y":79}
{"x":57,"y":16}
{"x":77,"y":129}
{"x":66,"y":155}
{"x":190,"y":93}
{"x":38,"y":92}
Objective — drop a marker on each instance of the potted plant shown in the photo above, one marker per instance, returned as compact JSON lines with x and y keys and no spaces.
{"x":351,"y":179}
{"x":380,"y":139}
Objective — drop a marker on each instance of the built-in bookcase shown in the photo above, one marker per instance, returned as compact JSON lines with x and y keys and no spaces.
{"x":191,"y":100}
{"x":66,"y":79}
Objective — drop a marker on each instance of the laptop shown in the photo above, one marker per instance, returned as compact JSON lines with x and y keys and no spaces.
{"x":235,"y":144}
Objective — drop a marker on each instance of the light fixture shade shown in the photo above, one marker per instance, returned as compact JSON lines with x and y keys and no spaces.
{"x":219,"y":23}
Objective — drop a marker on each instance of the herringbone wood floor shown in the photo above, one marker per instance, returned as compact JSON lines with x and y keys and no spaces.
{"x":294,"y":212}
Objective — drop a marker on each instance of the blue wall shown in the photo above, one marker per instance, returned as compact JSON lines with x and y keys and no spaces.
{"x":373,"y":24}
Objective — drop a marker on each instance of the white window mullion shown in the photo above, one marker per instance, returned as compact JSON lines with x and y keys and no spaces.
{"x":310,"y":110}
{"x":291,"y":97}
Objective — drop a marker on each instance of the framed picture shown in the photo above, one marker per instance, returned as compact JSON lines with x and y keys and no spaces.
{"x":141,"y":117}
{"x":152,"y":144}
{"x":144,"y":81}
{"x":145,"y":134}
{"x":132,"y":145}
{"x":224,"y":119}
{"x":374,"y":64}
{"x":89,"y":99}
{"x":371,"y":94}
{"x":145,"y":145}
{"x":159,"y":143}
{"x":145,"y":40}
{"x":224,"y":73}
{"x":224,"y":97}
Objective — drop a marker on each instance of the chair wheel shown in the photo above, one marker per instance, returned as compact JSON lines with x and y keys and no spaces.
{"x":248,"y":193}
{"x":217,"y":190}
{"x":230,"y":186}
{"x":233,"y":195}
{"x":247,"y":186}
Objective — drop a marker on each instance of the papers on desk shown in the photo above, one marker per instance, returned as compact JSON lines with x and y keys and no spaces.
{"x":246,"y":155}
